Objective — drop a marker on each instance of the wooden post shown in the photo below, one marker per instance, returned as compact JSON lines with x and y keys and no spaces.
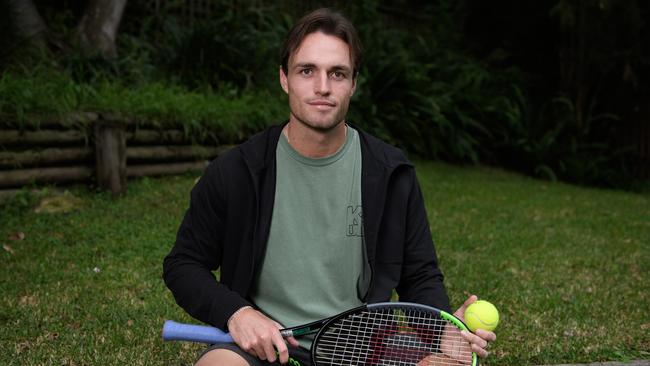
{"x":110,"y":152}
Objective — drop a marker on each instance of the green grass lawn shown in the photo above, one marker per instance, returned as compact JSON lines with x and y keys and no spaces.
{"x":567,"y":266}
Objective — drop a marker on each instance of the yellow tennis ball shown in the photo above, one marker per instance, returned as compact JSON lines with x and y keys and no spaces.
{"x":481,"y":315}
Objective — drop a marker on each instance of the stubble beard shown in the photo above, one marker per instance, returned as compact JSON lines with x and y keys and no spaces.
{"x":323,"y":127}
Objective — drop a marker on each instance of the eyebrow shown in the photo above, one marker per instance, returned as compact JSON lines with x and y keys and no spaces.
{"x":312,"y":65}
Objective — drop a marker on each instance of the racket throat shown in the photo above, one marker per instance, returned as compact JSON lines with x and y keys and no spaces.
{"x":302,"y":330}
{"x":314,"y":327}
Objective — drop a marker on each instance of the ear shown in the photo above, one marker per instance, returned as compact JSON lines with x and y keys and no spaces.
{"x":283,"y":81}
{"x":354,"y":85}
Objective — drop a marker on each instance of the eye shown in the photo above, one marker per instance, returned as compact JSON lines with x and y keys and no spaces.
{"x":306,"y":72}
{"x":338,"y":75}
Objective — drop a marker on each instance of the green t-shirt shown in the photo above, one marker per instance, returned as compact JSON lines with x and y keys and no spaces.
{"x":315,"y":264}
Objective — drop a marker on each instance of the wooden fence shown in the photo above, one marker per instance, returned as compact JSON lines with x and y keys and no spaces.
{"x":102,"y":150}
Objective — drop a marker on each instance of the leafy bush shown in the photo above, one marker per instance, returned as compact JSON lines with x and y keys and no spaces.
{"x":420,"y":87}
{"x":550,"y":144}
{"x":429,"y":96}
{"x":237,"y":48}
{"x":204,"y":114}
{"x":423,"y":94}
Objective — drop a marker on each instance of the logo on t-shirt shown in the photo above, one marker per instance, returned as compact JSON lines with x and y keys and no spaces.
{"x":355,"y":221}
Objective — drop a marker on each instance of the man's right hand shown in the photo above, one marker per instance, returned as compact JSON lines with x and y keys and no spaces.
{"x":259,"y":335}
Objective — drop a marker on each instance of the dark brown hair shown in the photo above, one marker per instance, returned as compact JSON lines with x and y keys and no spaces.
{"x":329,"y":22}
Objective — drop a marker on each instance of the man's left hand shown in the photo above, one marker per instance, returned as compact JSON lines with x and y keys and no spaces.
{"x":480,"y":339}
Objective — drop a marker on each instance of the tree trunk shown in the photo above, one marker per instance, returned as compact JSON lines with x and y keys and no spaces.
{"x":26,"y":22}
{"x":97,"y":30}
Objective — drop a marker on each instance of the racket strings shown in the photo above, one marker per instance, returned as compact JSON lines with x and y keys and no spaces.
{"x":392,"y":337}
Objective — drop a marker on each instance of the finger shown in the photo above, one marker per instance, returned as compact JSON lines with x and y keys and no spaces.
{"x":486,"y":334}
{"x":265,"y":352}
{"x":268,"y":349}
{"x":474,"y":339}
{"x":259,"y":351}
{"x":281,"y":347}
{"x":460,"y":313}
{"x":252,"y":352}
{"x":245,"y":345}
{"x":481,"y":352}
{"x":471,"y":299}
{"x":292,"y":341}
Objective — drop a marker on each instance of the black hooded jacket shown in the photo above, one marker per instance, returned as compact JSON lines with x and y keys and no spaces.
{"x":227,"y":225}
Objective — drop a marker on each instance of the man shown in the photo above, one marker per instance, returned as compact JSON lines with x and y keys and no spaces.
{"x":307,"y":219}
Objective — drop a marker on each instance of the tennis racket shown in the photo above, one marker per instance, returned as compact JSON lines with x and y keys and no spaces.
{"x":389,"y":333}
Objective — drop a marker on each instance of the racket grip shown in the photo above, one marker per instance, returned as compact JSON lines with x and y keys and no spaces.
{"x":174,"y":331}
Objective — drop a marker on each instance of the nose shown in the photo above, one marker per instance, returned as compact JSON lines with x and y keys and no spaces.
{"x":322,"y":84}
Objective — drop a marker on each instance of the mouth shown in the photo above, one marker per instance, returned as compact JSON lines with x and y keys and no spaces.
{"x":321,"y":104}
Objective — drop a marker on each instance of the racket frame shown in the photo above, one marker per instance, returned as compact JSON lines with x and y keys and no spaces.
{"x":385,"y":305}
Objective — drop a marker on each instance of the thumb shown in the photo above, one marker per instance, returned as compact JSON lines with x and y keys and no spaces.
{"x":460,"y":313}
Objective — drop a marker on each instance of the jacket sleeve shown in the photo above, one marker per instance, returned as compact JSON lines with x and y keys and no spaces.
{"x":421,"y":280}
{"x":187,"y":269}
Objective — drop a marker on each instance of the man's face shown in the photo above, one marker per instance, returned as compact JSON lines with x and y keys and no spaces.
{"x":319,"y":81}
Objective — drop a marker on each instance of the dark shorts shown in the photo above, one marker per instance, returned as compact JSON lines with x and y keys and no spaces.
{"x":297,"y":356}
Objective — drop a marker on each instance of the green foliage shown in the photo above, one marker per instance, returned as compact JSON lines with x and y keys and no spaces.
{"x":423,"y":86}
{"x":585,"y":73}
{"x":550,"y":143}
{"x":218,"y":116}
{"x":424,"y":94}
{"x":42,"y":91}
{"x":236,"y":48}
{"x":134,"y":65}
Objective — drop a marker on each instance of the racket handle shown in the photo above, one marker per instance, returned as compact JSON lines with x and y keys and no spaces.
{"x":174,"y":331}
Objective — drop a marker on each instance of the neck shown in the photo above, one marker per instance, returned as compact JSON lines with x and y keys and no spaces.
{"x":314,"y":143}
